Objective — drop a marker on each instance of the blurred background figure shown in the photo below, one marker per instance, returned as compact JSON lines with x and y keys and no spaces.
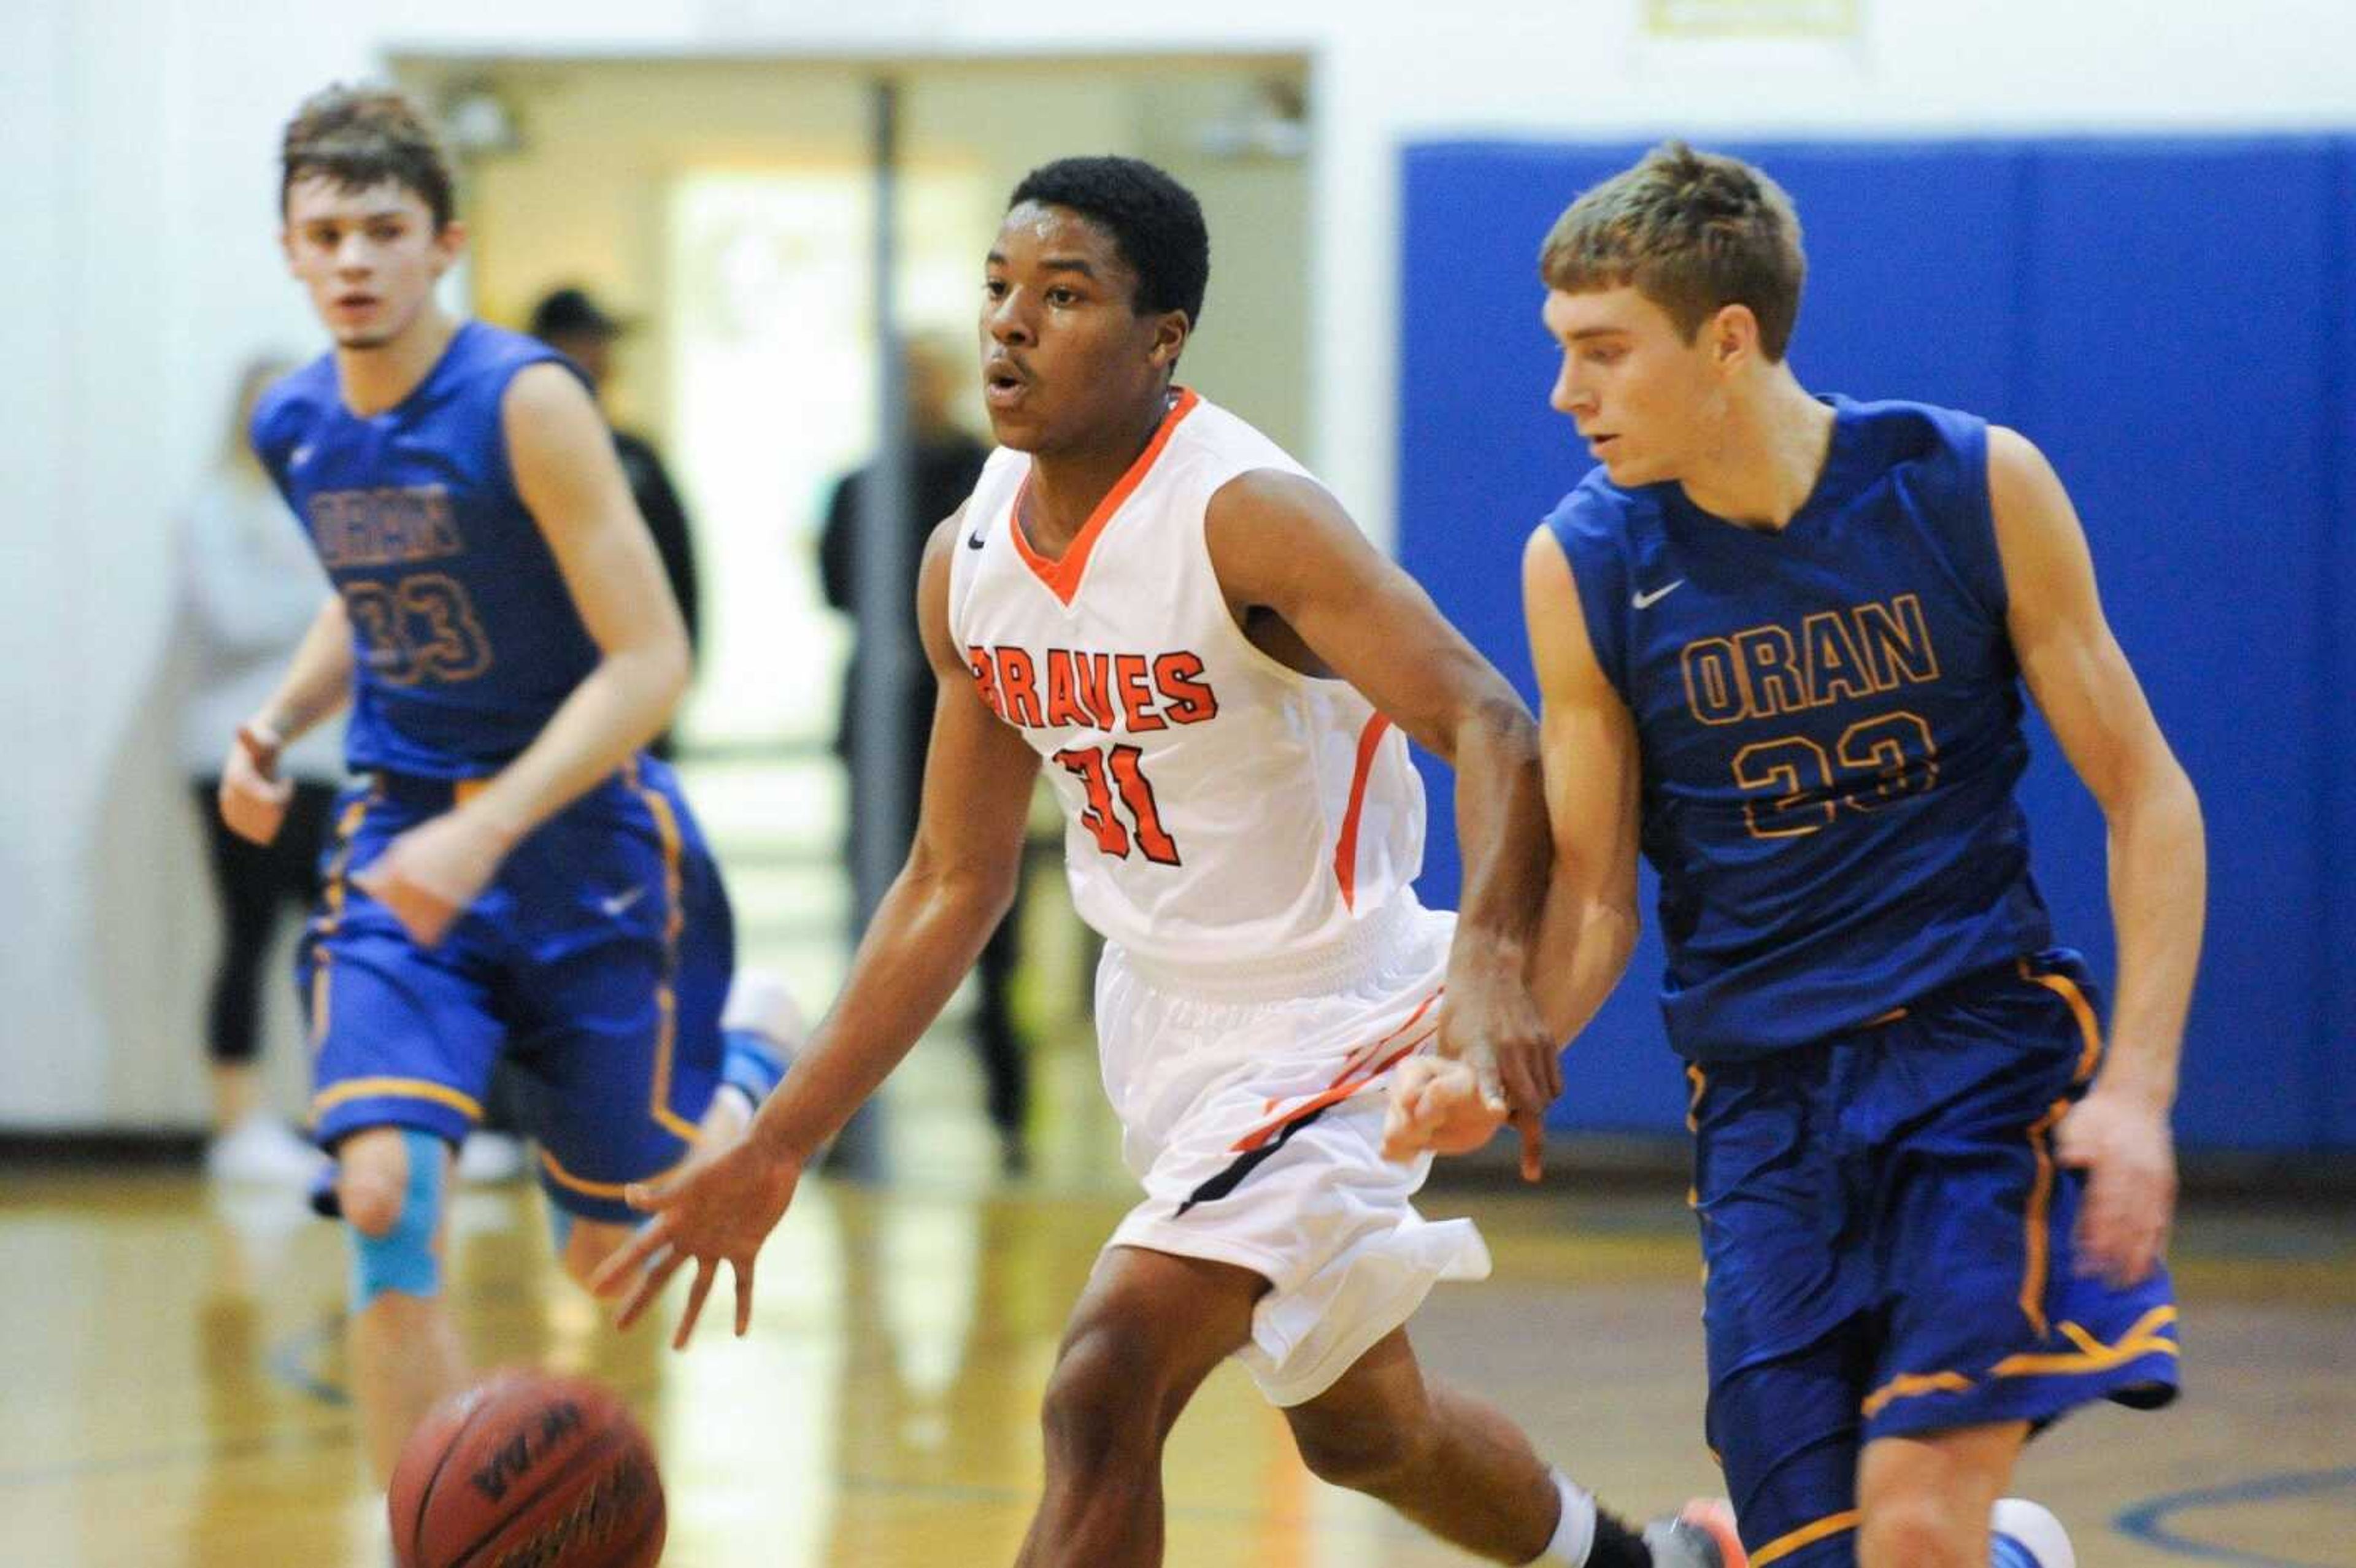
{"x":946,"y":463}
{"x":251,"y":589}
{"x":572,"y":322}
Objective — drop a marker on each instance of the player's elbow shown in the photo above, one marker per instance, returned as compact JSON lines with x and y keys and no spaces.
{"x":2155,"y":791}
{"x":664,"y":668}
{"x":1492,"y":725}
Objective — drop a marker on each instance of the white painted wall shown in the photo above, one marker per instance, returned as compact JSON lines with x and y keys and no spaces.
{"x":138,"y":266}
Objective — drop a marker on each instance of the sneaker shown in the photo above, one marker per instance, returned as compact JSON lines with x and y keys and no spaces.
{"x":1701,"y":1536}
{"x":2028,"y":1536}
{"x":259,"y":1151}
{"x":759,"y":1003}
{"x":487,"y":1158}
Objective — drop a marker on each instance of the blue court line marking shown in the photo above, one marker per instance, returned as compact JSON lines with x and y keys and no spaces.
{"x":2146,"y":1521}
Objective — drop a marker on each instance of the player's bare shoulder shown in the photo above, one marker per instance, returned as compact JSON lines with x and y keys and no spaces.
{"x":933,"y":590}
{"x":1274,"y":534}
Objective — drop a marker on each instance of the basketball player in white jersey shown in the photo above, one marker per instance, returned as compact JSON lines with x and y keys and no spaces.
{"x":1215,"y":667}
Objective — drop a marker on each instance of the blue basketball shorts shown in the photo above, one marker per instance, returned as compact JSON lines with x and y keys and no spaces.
{"x":597,"y":962}
{"x":1887,"y":1234}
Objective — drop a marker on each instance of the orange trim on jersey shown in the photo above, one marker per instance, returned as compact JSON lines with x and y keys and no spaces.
{"x":1892,"y":1016}
{"x":331,"y":916}
{"x":1345,"y":848}
{"x":1332,"y":1096}
{"x":2037,"y":1226}
{"x":2036,"y":1223}
{"x":1907,"y":1385}
{"x":1783,"y":1546}
{"x":395,"y":1089}
{"x":616,"y":1191}
{"x":1350,"y":1080}
{"x":2092,"y":1355}
{"x":1061,"y":575}
{"x":1366,"y":1052}
{"x":666,"y":994}
{"x":2088,"y":1028}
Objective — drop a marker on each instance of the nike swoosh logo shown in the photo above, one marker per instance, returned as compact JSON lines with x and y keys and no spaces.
{"x":620,"y":902}
{"x":973,"y":539}
{"x":1646,"y":600}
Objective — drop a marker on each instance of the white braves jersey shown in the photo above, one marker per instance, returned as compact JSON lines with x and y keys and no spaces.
{"x":1223,"y":812}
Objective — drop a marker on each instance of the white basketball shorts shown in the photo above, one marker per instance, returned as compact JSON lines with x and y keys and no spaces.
{"x":1251,"y":1109}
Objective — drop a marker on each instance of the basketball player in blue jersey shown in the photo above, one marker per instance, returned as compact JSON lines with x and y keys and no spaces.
{"x":1780,"y":641}
{"x":513,"y":874}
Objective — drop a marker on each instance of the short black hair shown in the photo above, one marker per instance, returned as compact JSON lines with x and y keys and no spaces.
{"x":1156,"y":221}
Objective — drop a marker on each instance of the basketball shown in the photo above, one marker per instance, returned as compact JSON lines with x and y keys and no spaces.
{"x":525,"y":1467}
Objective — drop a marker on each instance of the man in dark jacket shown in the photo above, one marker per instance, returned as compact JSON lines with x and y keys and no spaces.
{"x":945,"y":463}
{"x":572,"y":322}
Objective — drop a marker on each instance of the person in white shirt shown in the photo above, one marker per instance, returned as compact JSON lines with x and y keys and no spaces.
{"x":250,"y":588}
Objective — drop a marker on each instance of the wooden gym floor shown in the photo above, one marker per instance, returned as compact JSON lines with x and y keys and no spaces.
{"x":174,"y":1396}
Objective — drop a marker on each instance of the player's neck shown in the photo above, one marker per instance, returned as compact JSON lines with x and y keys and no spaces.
{"x":1067,"y":487}
{"x":1767,"y":457}
{"x":377,"y":379}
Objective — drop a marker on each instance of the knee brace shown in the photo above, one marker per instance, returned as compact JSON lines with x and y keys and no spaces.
{"x":402,"y":1258}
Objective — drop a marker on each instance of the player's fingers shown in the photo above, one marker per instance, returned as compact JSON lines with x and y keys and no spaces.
{"x":705,"y":1269}
{"x":651,"y":1282}
{"x":1491,"y":1089}
{"x":623,"y":1261}
{"x":2101,"y":1229}
{"x":743,"y":1268}
{"x":1533,"y":1130}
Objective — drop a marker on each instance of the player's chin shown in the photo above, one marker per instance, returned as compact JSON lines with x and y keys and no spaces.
{"x":370,"y":336}
{"x":1017,"y":429}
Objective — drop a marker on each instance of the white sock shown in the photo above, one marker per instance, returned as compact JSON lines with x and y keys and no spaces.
{"x":1574,"y":1536}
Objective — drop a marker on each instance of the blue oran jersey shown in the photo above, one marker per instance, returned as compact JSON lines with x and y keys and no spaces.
{"x":465,"y":638}
{"x":1829,"y":717}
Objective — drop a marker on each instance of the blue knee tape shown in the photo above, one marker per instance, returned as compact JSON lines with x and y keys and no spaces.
{"x":402,"y":1258}
{"x":751,"y":1064}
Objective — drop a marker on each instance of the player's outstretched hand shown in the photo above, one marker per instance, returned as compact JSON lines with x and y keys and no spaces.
{"x":429,"y":875}
{"x":253,"y":798}
{"x":1491,"y":1022}
{"x":2122,"y":1141}
{"x":715,"y":1211}
{"x":1438,"y":1106}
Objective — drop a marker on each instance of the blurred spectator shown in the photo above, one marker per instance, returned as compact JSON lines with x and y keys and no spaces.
{"x":252,"y":588}
{"x":572,"y":323}
{"x":945,"y":463}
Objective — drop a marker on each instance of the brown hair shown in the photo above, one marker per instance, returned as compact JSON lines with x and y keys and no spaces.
{"x":360,"y":137}
{"x":1693,"y":232}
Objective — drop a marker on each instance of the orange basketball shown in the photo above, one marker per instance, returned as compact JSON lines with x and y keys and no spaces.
{"x":526,"y":1469}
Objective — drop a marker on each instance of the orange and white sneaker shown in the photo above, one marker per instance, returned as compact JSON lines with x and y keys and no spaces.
{"x":1701,"y":1536}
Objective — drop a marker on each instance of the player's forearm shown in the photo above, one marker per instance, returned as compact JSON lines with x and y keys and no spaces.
{"x":1582,"y":949}
{"x":928,"y":933}
{"x":2160,"y":884}
{"x":318,"y":678}
{"x":1501,"y":826}
{"x":623,"y":704}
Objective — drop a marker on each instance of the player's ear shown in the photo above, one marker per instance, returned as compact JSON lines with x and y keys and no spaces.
{"x":1170,"y":334}
{"x":1732,"y":334}
{"x":448,"y":246}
